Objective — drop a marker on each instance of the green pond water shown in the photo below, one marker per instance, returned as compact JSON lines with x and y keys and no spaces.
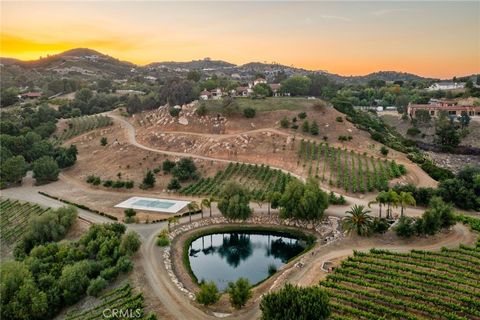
{"x":225,"y":257}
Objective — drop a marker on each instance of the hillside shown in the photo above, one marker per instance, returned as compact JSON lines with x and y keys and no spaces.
{"x":88,"y":63}
{"x":80,"y":63}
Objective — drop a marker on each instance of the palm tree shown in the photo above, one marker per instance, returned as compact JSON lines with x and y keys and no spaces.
{"x":192,"y":206}
{"x":207,"y":202}
{"x":392,"y":201}
{"x":358,"y":220}
{"x":406,"y":199}
{"x":172,"y":220}
{"x":381,"y":199}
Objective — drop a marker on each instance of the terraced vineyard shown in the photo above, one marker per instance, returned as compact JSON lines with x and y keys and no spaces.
{"x":122,"y":298}
{"x":416,"y":285}
{"x":77,"y":126}
{"x":14,"y":219}
{"x":347,"y":169}
{"x":260,"y":180}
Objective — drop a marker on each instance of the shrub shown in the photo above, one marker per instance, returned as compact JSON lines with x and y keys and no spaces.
{"x":96,"y":286}
{"x":294,"y":302}
{"x":314,"y":128}
{"x":208,"y":293}
{"x":302,"y":115}
{"x":103,"y":141}
{"x":162,"y":241}
{"x":107,"y":183}
{"x":384,"y":151}
{"x":130,"y":243}
{"x":249,"y":112}
{"x":148,"y":180}
{"x":305,"y":126}
{"x":380,"y":225}
{"x":339,"y":119}
{"x":336,"y":200}
{"x":413,"y":131}
{"x":239,"y":292}
{"x":284,"y":123}
{"x":201,"y":110}
{"x":174,"y":112}
{"x":405,"y":227}
{"x":124,"y":264}
{"x":168,"y":165}
{"x":174,"y":184}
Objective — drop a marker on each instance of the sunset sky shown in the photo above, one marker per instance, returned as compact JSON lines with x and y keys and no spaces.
{"x":429,"y":38}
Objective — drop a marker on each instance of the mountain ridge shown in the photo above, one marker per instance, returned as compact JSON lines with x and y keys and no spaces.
{"x":93,"y":57}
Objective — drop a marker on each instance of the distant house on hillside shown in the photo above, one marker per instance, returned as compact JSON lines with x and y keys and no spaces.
{"x":275,"y":89}
{"x":446,"y":86}
{"x":450,"y":109}
{"x":205,"y":95}
{"x":243,"y":91}
{"x":258,"y":81}
{"x":30,"y":95}
{"x":216,"y":93}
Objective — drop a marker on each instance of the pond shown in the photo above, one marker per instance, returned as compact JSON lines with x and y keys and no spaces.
{"x":225,"y":257}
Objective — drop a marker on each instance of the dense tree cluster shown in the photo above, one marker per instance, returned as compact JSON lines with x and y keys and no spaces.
{"x":25,"y":145}
{"x":56,"y":274}
{"x":439,"y":215}
{"x":463,"y":190}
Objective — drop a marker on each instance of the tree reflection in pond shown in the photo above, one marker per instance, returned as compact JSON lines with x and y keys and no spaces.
{"x":235,"y":248}
{"x":225,"y":257}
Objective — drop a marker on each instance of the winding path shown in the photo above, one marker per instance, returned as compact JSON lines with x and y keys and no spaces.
{"x":175,"y":302}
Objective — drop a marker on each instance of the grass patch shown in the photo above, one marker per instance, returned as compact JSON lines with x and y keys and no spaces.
{"x":252,"y":229}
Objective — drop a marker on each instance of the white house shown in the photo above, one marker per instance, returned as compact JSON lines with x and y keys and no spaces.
{"x":216,"y":93}
{"x":446,"y":86}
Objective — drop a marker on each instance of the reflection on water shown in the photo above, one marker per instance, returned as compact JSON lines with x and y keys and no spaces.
{"x":225,"y":257}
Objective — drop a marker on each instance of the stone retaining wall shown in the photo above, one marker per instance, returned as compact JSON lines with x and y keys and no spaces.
{"x":328,"y":231}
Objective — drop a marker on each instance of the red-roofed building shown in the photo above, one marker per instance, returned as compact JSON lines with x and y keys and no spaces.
{"x":450,"y":109}
{"x":30,"y":95}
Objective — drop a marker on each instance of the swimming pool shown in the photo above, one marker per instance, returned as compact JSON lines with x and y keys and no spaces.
{"x":153,"y":204}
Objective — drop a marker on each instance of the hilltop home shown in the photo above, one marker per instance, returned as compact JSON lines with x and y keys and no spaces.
{"x":446,"y":86}
{"x":450,"y":109}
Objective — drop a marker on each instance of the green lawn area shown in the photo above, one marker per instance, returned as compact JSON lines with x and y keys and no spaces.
{"x":267,"y":104}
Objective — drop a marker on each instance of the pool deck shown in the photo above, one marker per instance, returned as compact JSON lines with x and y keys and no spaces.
{"x":153,"y":204}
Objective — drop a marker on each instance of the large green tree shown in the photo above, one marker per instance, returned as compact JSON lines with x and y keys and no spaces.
{"x":306,"y":202}
{"x":13,"y":169}
{"x":297,"y":85}
{"x":234,"y":202}
{"x":45,"y":170}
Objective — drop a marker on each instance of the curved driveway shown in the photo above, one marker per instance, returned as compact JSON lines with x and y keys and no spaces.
{"x":174,"y":301}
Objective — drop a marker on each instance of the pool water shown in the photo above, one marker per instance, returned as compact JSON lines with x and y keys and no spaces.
{"x":225,"y":257}
{"x":153,"y":204}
